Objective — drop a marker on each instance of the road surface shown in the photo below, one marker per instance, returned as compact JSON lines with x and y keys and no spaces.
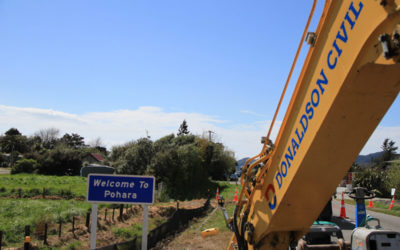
{"x":347,"y":226}
{"x":4,"y":171}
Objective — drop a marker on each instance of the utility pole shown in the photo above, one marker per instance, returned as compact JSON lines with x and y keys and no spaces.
{"x":209,"y":135}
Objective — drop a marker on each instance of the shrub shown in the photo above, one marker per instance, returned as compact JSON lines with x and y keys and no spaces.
{"x":74,"y":245}
{"x":3,"y":161}
{"x":25,"y":166}
{"x":32,"y":192}
{"x":61,"y":161}
{"x":126,"y":233}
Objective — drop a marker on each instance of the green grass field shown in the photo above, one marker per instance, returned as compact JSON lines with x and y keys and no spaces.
{"x":15,"y":214}
{"x":29,"y":185}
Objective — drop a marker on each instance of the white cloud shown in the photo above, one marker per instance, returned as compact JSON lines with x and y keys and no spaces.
{"x":249,"y":112}
{"x":120,"y":126}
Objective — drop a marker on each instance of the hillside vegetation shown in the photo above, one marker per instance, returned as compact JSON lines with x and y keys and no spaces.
{"x":183,"y":163}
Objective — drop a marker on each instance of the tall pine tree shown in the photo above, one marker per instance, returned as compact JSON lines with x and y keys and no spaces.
{"x":183,"y":129}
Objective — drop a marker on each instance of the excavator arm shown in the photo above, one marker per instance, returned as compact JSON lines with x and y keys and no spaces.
{"x":349,"y":79}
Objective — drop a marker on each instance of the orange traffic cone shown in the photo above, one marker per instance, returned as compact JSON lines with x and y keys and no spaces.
{"x":391,"y":204}
{"x":370,"y":204}
{"x":235,"y":198}
{"x":342,"y":208}
{"x":217,"y":196}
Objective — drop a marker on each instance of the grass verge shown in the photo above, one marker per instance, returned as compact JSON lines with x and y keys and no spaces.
{"x":379,"y":207}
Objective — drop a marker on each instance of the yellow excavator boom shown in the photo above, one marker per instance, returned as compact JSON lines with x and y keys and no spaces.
{"x":350,"y":78}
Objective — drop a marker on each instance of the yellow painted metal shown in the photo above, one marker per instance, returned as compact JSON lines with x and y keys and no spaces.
{"x":345,"y":88}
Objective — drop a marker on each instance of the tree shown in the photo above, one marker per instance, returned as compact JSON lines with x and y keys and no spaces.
{"x":97,"y":142}
{"x":183,"y":129}
{"x":181,"y":170}
{"x":164,"y":143}
{"x":388,"y":154}
{"x":35,"y":144}
{"x":49,"y":137}
{"x":389,"y":150}
{"x":220,"y":161}
{"x":136,"y":157}
{"x":74,"y":140}
{"x":183,"y":163}
{"x":12,"y":132}
{"x":394,"y":178}
{"x":25,"y":166}
{"x":3,"y":161}
{"x":13,"y":142}
{"x":117,"y":152}
{"x":379,"y":177}
{"x":183,"y":140}
{"x":61,"y":161}
{"x":372,"y":179}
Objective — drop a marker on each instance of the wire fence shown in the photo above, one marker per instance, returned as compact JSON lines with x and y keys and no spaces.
{"x":78,"y":225}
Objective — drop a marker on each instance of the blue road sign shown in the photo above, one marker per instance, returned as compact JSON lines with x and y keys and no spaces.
{"x":120,"y":189}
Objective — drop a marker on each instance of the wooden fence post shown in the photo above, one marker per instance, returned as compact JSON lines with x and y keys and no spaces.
{"x":87,"y":220}
{"x":105,"y":215}
{"x":121,"y":211}
{"x":73,"y":225}
{"x":59,"y":229}
{"x":113,"y":213}
{"x":126,"y":209}
{"x":27,"y":240}
{"x":45,"y":235}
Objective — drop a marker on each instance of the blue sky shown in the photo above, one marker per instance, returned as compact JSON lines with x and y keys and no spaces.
{"x":114,"y":69}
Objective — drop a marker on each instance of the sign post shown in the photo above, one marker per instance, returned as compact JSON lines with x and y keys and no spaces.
{"x":120,"y":189}
{"x":94,"y":227}
{"x":145,"y":227}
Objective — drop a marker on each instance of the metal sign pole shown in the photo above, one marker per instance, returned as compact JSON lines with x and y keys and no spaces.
{"x":94,"y":227}
{"x":144,"y":230}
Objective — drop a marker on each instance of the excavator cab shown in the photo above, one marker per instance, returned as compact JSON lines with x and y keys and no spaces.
{"x":323,"y":233}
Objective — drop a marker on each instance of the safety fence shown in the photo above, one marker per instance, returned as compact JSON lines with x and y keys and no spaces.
{"x":76,"y":225}
{"x":178,"y":221}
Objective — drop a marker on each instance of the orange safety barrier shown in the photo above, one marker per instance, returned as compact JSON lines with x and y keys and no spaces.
{"x":391,"y":204}
{"x":236,"y":197}
{"x":342,"y":208}
{"x":370,"y":204}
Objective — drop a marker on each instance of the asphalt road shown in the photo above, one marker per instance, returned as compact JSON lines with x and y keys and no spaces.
{"x":347,"y":225}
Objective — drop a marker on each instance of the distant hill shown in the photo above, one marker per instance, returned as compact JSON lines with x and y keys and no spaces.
{"x":240,"y":163}
{"x":362,"y":160}
{"x":365,"y":159}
